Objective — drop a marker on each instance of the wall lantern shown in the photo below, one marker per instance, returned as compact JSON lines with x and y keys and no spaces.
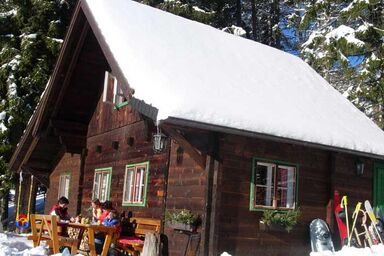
{"x":159,"y":141}
{"x":359,"y":167}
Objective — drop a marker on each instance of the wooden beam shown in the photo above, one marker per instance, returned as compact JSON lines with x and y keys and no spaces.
{"x":39,"y":165}
{"x":30,"y":150}
{"x":191,"y":150}
{"x":63,"y":69}
{"x":69,"y":127}
{"x":42,"y":177}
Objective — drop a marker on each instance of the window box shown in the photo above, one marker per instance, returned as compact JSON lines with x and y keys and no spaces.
{"x":182,"y":226}
{"x":181,"y":219}
{"x":274,"y":220}
{"x":271,"y":227}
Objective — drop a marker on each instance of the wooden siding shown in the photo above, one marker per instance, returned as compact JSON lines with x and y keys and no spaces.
{"x":319,"y":173}
{"x":69,"y":163}
{"x":125,"y":126}
{"x":187,"y":183}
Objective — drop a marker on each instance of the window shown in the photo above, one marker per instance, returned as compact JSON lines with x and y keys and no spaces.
{"x":273,"y":185}
{"x":64,"y":185}
{"x":102,"y":184}
{"x":135,"y":184}
{"x":113,"y":92}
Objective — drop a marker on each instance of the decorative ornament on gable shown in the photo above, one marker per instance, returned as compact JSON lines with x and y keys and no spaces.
{"x":159,"y":141}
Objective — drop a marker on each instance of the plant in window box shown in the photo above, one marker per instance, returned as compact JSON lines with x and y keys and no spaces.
{"x":181,"y":219}
{"x":279,"y":220}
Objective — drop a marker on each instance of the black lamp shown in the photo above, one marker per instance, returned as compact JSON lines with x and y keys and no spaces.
{"x":359,"y":167}
{"x":159,"y":141}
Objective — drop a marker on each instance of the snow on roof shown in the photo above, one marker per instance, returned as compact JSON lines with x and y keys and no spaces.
{"x":195,"y":72}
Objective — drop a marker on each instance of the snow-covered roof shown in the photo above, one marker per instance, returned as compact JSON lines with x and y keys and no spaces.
{"x":192,"y":71}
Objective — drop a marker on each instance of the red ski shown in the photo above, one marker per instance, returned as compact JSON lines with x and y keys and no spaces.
{"x":340,"y":215}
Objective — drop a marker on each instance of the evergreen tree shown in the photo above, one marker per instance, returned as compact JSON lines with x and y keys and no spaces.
{"x":31,"y":34}
{"x":345,"y":45}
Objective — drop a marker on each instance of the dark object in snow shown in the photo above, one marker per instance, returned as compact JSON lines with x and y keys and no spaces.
{"x":320,"y":236}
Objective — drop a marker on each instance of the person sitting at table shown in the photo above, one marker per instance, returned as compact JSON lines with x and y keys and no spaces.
{"x":106,"y":208}
{"x":96,"y":210}
{"x":111,"y":220}
{"x":60,"y":209}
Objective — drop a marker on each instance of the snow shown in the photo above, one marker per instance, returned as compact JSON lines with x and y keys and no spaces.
{"x":2,"y":115}
{"x":58,"y":40}
{"x":12,"y":89}
{"x":344,"y":32}
{"x":311,"y":38}
{"x":28,"y":36}
{"x":237,"y":31}
{"x":351,"y":251}
{"x":196,"y":8}
{"x":363,"y":28}
{"x":3,"y":128}
{"x":15,"y":244}
{"x":9,"y":13}
{"x":194,"y":72}
{"x":352,"y":4}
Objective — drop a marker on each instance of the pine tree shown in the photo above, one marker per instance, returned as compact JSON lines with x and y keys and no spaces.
{"x":345,"y":45}
{"x":31,"y":34}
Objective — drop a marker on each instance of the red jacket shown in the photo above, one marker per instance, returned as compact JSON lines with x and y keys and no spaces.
{"x":104,"y":215}
{"x":60,"y":211}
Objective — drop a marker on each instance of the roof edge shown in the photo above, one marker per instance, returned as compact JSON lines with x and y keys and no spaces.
{"x":235,"y":131}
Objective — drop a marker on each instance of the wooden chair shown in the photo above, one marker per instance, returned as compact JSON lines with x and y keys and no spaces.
{"x":133,"y":245}
{"x":44,"y":227}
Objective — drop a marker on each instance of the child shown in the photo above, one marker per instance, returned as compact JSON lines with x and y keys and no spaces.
{"x":106,"y":208}
{"x":60,"y":209}
{"x":111,"y":220}
{"x":96,"y":210}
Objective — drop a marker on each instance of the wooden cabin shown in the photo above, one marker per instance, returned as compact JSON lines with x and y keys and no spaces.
{"x":246,"y":128}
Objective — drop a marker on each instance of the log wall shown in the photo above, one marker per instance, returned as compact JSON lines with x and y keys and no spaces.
{"x":320,"y":172}
{"x":187,"y":183}
{"x":69,"y":163}
{"x":134,"y":137}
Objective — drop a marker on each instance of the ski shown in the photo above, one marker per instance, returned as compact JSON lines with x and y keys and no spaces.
{"x":371,"y":214}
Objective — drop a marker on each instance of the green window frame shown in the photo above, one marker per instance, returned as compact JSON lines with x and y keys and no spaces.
{"x":102,"y":184}
{"x":64,"y":184}
{"x":274,"y":185}
{"x":136,"y":184}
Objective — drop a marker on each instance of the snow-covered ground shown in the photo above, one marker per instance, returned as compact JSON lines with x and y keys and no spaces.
{"x":351,"y":251}
{"x":14,"y":244}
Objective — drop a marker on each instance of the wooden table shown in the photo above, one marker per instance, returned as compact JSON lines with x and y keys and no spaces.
{"x":109,"y":233}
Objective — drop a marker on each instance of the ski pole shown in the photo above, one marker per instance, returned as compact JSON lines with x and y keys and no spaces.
{"x":342,"y":205}
{"x":354,"y":216}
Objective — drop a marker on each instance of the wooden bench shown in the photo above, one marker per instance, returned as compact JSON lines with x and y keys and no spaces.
{"x":45,"y":228}
{"x":142,"y":226}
